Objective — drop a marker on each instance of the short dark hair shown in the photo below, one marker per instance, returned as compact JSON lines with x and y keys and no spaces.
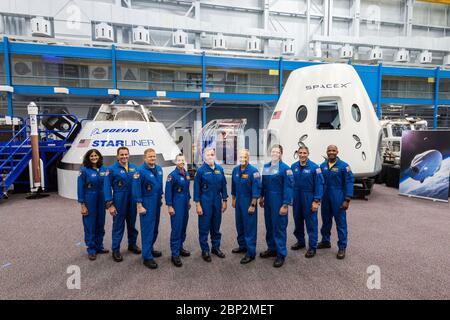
{"x":122,"y":148}
{"x":87,"y":162}
{"x":303,"y":147}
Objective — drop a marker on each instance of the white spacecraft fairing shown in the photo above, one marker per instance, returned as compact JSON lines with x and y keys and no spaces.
{"x":328,"y":104}
{"x":130,"y":125}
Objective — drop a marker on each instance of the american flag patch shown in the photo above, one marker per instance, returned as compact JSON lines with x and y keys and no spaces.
{"x":276,"y":115}
{"x":348,"y":169}
{"x":318,"y":171}
{"x":256,"y":175}
{"x":84,"y":143}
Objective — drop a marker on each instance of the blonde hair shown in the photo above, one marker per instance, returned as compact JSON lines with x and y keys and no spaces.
{"x":149,"y":150}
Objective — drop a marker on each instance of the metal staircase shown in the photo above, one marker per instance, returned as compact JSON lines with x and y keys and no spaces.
{"x":14,"y":157}
{"x":15,"y":154}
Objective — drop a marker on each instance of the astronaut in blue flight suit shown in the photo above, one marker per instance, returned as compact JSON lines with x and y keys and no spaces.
{"x":147,"y":193}
{"x":307,"y":193}
{"x":92,"y":201}
{"x":276,"y":196}
{"x":119,"y":202}
{"x":338,"y":191}
{"x":245,"y":189}
{"x":210,"y":195}
{"x":178,"y":198}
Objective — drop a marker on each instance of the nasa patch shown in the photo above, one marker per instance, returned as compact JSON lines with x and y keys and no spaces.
{"x":136,"y":175}
{"x":169,"y":178}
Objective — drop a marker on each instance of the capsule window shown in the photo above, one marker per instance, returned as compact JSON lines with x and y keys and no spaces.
{"x":356,"y":113}
{"x":302,"y":113}
{"x":328,"y":115}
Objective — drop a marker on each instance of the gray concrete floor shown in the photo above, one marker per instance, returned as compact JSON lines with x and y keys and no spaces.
{"x":408,"y":239}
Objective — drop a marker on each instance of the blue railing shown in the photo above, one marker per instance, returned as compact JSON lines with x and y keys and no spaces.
{"x":17,"y":151}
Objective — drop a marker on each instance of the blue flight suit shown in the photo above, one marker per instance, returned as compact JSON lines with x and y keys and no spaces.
{"x":339,"y":182}
{"x":210,"y":188}
{"x":308,"y":186}
{"x":277,"y":183}
{"x":147,"y":189}
{"x":118,"y":190}
{"x":245,"y":186}
{"x":177,"y":195}
{"x":90,"y":192}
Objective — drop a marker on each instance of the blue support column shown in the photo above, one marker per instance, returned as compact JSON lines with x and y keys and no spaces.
{"x":203,"y":89}
{"x":114,"y":71}
{"x":380,"y":78}
{"x":280,"y":76}
{"x":9,"y":95}
{"x":436,"y":96}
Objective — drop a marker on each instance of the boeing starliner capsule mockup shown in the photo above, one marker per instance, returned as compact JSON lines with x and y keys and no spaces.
{"x":115,"y":125}
{"x":328,"y":104}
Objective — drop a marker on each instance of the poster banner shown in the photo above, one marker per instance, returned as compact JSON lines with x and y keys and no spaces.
{"x":425,"y":164}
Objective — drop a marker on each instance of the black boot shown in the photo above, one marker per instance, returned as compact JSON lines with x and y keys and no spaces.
{"x":247,"y":259}
{"x":177,"y":261}
{"x":310,"y":253}
{"x":297,"y":246}
{"x":341,"y":254}
{"x":268,"y":254}
{"x":218,"y":253}
{"x":134,"y":248}
{"x":323,"y":245}
{"x":278,"y":262}
{"x":117,"y":257}
{"x":206,"y":256}
{"x":151,"y":264}
{"x":184,"y":253}
{"x":156,"y":253}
